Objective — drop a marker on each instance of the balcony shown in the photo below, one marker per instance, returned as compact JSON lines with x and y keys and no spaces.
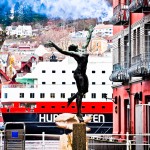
{"x":140,"y":66}
{"x":139,"y":6}
{"x":120,"y":73}
{"x":120,"y":15}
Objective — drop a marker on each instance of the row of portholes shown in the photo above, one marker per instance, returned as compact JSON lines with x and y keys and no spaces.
{"x":103,"y":107}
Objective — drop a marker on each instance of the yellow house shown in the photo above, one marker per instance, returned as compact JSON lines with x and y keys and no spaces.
{"x":98,"y":45}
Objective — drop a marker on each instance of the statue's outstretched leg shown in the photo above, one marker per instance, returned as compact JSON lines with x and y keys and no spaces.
{"x":79,"y":105}
{"x":70,"y":100}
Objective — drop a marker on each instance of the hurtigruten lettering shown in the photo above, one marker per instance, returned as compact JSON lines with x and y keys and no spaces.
{"x":96,"y":118}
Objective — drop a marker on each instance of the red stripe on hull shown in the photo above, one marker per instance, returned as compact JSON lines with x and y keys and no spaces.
{"x":61,"y":107}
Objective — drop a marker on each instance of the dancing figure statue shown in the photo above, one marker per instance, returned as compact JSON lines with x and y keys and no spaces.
{"x":81,"y":57}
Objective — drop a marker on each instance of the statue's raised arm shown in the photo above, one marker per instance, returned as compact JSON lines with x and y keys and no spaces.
{"x":69,"y":53}
{"x":88,"y":38}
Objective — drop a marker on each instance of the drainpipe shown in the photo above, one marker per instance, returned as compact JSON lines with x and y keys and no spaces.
{"x":129,"y":65}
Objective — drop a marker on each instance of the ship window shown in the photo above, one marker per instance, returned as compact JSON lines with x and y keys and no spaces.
{"x":103,"y":83}
{"x":73,"y":83}
{"x":22,"y":105}
{"x":52,"y":95}
{"x":72,"y":94}
{"x":63,"y":82}
{"x":31,"y":95}
{"x":53,"y":82}
{"x":93,"y":71}
{"x":30,"y":105}
{"x":43,"y":82}
{"x":62,"y":95}
{"x":53,"y":71}
{"x":5,"y":95}
{"x":52,"y":106}
{"x":93,"y":106}
{"x":42,"y":106}
{"x":43,"y":71}
{"x":83,"y":106}
{"x":104,"y":95}
{"x":103,"y":107}
{"x":93,"y":95}
{"x":93,"y":83}
{"x":103,"y":71}
{"x":21,"y":95}
{"x":73,"y":106}
{"x":42,"y":95}
{"x":63,"y":71}
{"x":62,"y":106}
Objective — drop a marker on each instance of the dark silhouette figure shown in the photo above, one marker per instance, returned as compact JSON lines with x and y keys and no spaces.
{"x":81,"y":56}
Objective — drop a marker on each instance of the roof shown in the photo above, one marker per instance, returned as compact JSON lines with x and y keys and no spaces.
{"x":27,"y":57}
{"x":40,"y":51}
{"x":102,"y":26}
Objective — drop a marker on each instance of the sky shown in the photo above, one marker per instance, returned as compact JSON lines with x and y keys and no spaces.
{"x":73,"y":9}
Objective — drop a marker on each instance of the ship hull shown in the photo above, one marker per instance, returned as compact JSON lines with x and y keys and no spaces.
{"x":36,"y":123}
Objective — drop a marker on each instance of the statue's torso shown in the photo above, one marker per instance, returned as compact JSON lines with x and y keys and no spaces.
{"x":82,"y":64}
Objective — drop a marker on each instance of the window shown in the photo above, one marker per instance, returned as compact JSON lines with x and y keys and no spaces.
{"x":93,"y":83}
{"x":138,"y":41}
{"x":53,"y":71}
{"x":21,"y":95}
{"x":52,"y":95}
{"x":83,"y":106}
{"x":63,"y":82}
{"x":104,"y":95}
{"x":63,"y":71}
{"x":93,"y":106}
{"x":52,"y":106}
{"x":103,"y":71}
{"x":5,"y":95}
{"x":53,"y":82}
{"x":93,"y":71}
{"x":73,"y":106}
{"x":62,"y":106}
{"x":43,"y":82}
{"x":103,"y":107}
{"x":126,"y":49}
{"x":43,"y":71}
{"x":73,"y":83}
{"x":119,"y":50}
{"x":72,"y":94}
{"x":62,"y":95}
{"x":42,"y":95}
{"x":93,"y":95}
{"x":31,"y":95}
{"x":103,"y":83}
{"x":42,"y":106}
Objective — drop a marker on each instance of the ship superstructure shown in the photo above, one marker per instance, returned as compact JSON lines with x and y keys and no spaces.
{"x":43,"y":93}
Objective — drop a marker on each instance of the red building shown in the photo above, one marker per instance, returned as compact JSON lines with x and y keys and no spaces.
{"x":131,"y":67}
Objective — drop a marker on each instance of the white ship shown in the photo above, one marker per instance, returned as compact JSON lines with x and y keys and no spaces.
{"x":43,"y":94}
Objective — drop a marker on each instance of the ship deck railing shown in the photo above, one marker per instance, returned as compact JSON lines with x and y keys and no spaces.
{"x":95,"y":141}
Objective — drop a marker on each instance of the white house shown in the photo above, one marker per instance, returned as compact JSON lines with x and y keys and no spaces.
{"x":103,"y":30}
{"x":25,"y":30}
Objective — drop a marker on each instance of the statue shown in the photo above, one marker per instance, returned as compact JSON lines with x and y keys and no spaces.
{"x":81,"y":56}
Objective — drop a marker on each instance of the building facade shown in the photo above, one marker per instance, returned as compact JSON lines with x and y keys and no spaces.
{"x":23,"y":31}
{"x":131,"y":67}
